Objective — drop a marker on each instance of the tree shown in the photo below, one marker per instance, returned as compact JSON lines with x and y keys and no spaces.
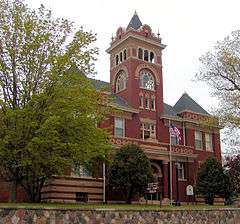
{"x":221,"y":70}
{"x":48,"y":108}
{"x":232,"y":166}
{"x":212,"y":181}
{"x":130,"y":171}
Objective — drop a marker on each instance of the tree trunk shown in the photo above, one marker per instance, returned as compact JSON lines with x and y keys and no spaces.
{"x":13,"y":191}
{"x":210,"y":199}
{"x":129,"y":196}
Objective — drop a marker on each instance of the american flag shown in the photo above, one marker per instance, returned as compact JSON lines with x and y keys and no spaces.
{"x":173,"y":130}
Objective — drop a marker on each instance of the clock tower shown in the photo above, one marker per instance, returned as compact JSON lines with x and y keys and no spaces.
{"x":136,"y":69}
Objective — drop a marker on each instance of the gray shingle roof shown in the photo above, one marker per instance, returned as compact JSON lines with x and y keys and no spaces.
{"x":116,"y":100}
{"x":120,"y":102}
{"x":135,"y":22}
{"x":98,"y":84}
{"x":186,"y":103}
{"x":169,"y":111}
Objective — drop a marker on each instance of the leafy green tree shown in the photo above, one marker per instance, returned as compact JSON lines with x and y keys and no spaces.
{"x":220,"y":68}
{"x":48,"y":108}
{"x":130,"y":171}
{"x":212,"y":181}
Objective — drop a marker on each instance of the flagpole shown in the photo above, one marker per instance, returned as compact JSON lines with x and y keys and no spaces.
{"x":170,"y":155}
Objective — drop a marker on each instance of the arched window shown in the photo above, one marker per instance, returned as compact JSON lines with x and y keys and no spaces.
{"x":124,"y":54}
{"x":121,"y":81}
{"x":140,"y":53}
{"x":117,"y":60}
{"x":145,"y":55}
{"x":151,"y":57}
{"x":146,"y":80}
{"x":121,"y":57}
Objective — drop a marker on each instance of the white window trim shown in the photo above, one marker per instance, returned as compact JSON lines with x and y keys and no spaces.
{"x":211,"y":141}
{"x":200,"y":149}
{"x":149,"y":54}
{"x":150,"y":130}
{"x":154,"y":100}
{"x":123,"y":74}
{"x":123,"y":127}
{"x":183,"y":168}
{"x":122,"y":51}
{"x":147,"y":99}
{"x":149,"y":74}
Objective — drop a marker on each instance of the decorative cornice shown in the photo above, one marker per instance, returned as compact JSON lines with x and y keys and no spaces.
{"x":138,"y":37}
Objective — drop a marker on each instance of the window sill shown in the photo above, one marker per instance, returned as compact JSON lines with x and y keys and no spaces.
{"x":121,"y":90}
{"x":208,"y":150}
{"x":118,"y":136}
{"x":199,"y":149}
{"x":179,"y":179}
{"x":153,"y":90}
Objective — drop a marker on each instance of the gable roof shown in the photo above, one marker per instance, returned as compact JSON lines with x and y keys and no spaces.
{"x":186,"y":103}
{"x":135,"y":22}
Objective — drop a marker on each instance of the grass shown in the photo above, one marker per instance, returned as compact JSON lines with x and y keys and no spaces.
{"x":106,"y":206}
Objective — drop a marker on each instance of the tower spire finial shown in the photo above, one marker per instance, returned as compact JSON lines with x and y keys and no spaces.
{"x":135,"y":12}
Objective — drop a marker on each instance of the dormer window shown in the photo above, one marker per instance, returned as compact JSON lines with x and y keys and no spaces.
{"x":121,"y":81}
{"x":146,"y":80}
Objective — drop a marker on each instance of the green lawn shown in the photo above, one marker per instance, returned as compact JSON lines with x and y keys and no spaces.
{"x":105,"y":206}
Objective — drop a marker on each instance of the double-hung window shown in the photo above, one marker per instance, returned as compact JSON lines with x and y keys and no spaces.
{"x":148,"y":131}
{"x":181,"y":172}
{"x":119,"y":127}
{"x":208,"y":141}
{"x":198,"y":140}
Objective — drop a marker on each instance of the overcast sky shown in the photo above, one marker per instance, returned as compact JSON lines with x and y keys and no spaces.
{"x":189,"y":28}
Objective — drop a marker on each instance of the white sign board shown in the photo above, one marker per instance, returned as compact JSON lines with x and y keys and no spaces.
{"x":152,"y":187}
{"x":189,"y":190}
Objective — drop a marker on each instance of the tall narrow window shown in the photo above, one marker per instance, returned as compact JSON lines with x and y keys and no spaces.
{"x":147,"y":102}
{"x":151,"y":57}
{"x":121,"y":57}
{"x":208,"y":140}
{"x":181,"y":173}
{"x":118,"y":127}
{"x":124,"y":54}
{"x":141,"y":101}
{"x":140,"y":53}
{"x":145,"y":55}
{"x":198,"y":140}
{"x":117,"y":59}
{"x":153,"y":104}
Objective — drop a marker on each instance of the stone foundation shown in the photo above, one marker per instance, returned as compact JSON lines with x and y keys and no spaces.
{"x":119,"y":216}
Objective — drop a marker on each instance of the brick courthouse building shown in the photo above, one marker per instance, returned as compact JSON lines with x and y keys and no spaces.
{"x":136,"y":87}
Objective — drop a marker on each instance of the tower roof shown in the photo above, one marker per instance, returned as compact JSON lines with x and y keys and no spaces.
{"x":186,"y":103}
{"x":135,"y":22}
